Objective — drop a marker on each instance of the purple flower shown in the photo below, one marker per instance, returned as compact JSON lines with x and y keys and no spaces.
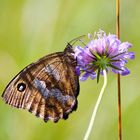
{"x":103,"y":52}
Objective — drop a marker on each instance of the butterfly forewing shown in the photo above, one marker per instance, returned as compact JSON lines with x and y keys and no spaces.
{"x":47,"y":88}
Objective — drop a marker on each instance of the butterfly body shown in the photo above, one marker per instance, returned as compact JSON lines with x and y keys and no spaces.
{"x":47,"y":88}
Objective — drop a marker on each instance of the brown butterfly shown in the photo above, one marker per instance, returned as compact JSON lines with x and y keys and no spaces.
{"x":47,"y":88}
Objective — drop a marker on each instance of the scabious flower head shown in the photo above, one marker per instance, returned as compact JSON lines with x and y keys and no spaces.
{"x":102,"y":52}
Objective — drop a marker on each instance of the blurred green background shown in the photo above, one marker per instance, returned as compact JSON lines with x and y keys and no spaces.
{"x":30,"y":29}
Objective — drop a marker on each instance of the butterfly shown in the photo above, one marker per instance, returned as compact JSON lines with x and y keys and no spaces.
{"x":47,"y":88}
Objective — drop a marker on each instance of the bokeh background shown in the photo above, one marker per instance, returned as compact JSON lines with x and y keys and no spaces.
{"x":30,"y":29}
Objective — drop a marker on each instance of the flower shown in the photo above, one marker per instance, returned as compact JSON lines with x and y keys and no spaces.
{"x":102,"y":52}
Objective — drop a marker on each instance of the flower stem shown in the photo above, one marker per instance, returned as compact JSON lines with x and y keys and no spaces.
{"x":96,"y":107}
{"x":119,"y":109}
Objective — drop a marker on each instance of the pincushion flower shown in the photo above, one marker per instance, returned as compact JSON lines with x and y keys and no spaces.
{"x":104,"y":52}
{"x":101,"y":54}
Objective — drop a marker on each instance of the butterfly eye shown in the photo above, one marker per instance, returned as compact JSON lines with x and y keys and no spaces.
{"x":21,"y":87}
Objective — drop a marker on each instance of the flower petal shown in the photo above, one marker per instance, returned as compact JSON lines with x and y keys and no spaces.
{"x":93,"y":75}
{"x":84,"y":76}
{"x":129,"y":55}
{"x":82,"y":55}
{"x":124,"y":47}
{"x":123,"y":72}
{"x":78,"y":70}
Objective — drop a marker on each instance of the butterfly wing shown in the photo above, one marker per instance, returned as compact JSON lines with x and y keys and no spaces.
{"x":47,"y":88}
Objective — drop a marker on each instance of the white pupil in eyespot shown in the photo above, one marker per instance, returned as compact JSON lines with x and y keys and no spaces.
{"x":21,"y":87}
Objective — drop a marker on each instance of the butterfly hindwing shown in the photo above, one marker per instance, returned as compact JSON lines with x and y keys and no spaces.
{"x":47,"y":88}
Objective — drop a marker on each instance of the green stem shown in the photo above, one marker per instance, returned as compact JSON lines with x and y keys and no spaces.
{"x":96,"y":107}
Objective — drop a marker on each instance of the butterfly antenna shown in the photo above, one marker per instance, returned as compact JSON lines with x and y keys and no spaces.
{"x":82,"y":42}
{"x":72,"y":42}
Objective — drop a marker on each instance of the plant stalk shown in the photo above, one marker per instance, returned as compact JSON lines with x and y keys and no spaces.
{"x":91,"y":123}
{"x":118,"y":76}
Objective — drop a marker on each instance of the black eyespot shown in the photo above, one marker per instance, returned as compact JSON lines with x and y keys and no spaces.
{"x":21,"y":87}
